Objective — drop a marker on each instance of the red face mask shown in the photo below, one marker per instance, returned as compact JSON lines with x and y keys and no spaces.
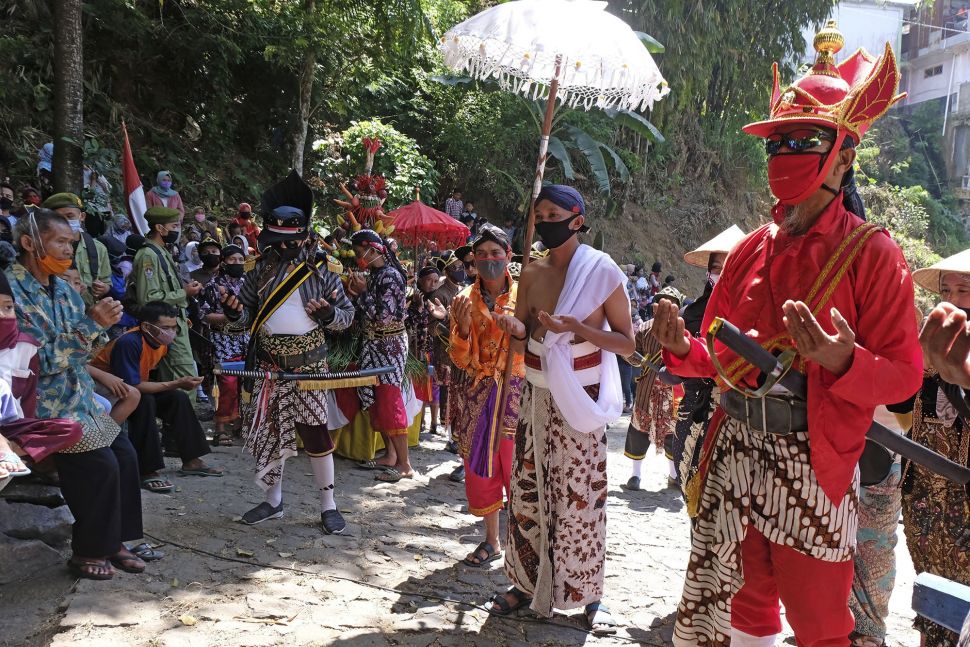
{"x":794,"y":177}
{"x":33,"y":199}
{"x":8,"y":332}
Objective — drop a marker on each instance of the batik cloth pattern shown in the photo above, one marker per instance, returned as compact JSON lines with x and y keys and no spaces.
{"x":469,"y":405}
{"x":936,"y":512}
{"x":880,"y":506}
{"x":382,"y":310}
{"x":765,"y":481}
{"x":273,"y":439}
{"x":227,"y":345}
{"x":557,"y":510}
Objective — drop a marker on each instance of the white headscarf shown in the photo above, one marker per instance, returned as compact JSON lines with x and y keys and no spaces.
{"x":192,"y":260}
{"x":241,"y":242}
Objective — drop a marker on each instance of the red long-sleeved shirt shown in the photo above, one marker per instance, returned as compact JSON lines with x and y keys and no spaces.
{"x":876,"y":298}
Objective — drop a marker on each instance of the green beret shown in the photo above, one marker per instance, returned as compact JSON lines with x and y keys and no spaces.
{"x":162,"y":215}
{"x":61,"y":200}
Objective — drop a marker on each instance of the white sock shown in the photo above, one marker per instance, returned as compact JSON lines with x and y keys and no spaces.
{"x":274,"y":495}
{"x":672,"y":470}
{"x":323,"y":474}
{"x":741,"y":639}
{"x":637,"y":467}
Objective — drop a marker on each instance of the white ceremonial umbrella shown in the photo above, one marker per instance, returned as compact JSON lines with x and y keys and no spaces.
{"x":570,"y":50}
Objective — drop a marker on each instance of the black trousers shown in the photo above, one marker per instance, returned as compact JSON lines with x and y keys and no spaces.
{"x":637,"y":443}
{"x":180,"y":428}
{"x":103,"y":492}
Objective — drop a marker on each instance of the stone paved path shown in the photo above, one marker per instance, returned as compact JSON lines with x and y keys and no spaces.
{"x":402,"y":539}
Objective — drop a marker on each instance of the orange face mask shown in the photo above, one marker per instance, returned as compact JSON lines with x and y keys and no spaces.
{"x":52,"y":265}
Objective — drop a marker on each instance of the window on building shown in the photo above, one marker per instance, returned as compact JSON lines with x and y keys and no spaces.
{"x":930,"y":72}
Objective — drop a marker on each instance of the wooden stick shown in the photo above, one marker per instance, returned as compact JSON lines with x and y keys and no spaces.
{"x":527,"y":239}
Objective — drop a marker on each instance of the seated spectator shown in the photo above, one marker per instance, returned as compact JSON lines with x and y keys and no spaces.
{"x":126,"y":398}
{"x":229,"y":340}
{"x":90,"y":256}
{"x":244,"y":218}
{"x":6,"y":204}
{"x":132,"y":357}
{"x":210,"y":257}
{"x":118,"y":230}
{"x":24,"y":438}
{"x":99,"y":472}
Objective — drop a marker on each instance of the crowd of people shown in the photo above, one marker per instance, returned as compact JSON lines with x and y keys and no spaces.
{"x":523,"y":363}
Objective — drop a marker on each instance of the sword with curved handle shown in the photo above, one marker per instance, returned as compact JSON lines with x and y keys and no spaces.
{"x":742,"y":345}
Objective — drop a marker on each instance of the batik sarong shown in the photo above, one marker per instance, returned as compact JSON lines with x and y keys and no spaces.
{"x":765,"y":481}
{"x":472,"y":410}
{"x":278,"y":411}
{"x":556,"y":548}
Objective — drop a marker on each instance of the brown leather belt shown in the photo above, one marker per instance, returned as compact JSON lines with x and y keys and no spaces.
{"x":784,"y":414}
{"x":534,"y":362}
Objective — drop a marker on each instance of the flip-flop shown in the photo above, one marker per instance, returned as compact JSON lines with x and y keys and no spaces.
{"x":501,"y":607}
{"x":601,"y":623}
{"x":392,"y":475}
{"x":370,"y":465}
{"x":163,"y":485}
{"x":77,"y":567}
{"x":200,"y":471}
{"x":10,"y":457}
{"x":490,"y":555}
{"x":146,"y":553}
{"x":129,"y":563}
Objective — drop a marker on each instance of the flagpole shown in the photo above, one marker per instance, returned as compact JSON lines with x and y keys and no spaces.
{"x":527,"y":239}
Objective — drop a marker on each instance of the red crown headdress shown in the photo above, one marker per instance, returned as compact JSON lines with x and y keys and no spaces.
{"x":847,"y":97}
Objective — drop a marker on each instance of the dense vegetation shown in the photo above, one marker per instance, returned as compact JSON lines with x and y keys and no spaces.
{"x":227,"y":94}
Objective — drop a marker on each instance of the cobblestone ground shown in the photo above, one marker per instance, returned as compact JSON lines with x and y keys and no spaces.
{"x":382,"y":583}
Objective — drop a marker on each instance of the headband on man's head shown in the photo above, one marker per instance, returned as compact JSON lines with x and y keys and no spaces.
{"x":492,"y":233}
{"x":428,"y":270}
{"x":564,"y":197}
{"x":368,"y":238}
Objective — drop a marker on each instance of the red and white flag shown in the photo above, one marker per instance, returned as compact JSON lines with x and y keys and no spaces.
{"x":134,"y":191}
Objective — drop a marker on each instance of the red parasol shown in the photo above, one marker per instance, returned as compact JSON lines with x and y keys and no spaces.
{"x":418,"y":223}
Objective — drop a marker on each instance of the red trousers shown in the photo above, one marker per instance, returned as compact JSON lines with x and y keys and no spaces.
{"x":228,"y":410}
{"x":815,"y":594}
{"x":485,"y":495}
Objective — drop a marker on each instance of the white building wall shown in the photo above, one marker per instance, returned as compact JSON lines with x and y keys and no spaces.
{"x":867,"y":24}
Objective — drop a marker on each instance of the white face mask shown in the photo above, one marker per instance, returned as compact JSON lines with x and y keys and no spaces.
{"x":75,"y":225}
{"x":125,"y":267}
{"x":713,"y":277}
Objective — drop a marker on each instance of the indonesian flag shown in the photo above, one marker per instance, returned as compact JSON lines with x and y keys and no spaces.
{"x":134,"y":191}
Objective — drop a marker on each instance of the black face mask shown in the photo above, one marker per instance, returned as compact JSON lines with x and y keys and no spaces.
{"x":5,"y":203}
{"x":6,"y":236}
{"x":458,"y":276}
{"x":235,"y":271}
{"x":288,"y":253}
{"x":171,"y":237}
{"x":554,"y":234}
{"x":211,"y":260}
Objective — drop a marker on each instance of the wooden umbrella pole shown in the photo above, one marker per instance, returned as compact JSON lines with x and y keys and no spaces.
{"x":527,"y":239}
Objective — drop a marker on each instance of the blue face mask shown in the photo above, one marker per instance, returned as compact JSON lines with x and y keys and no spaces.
{"x":165,"y":184}
{"x":75,"y":225}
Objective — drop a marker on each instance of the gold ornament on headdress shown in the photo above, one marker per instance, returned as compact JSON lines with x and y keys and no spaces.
{"x":828,"y":42}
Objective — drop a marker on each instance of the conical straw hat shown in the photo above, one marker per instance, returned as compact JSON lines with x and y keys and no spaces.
{"x":723,"y":243}
{"x":929,"y":277}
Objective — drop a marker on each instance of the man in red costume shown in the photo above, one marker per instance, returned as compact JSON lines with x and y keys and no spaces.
{"x":776,"y":504}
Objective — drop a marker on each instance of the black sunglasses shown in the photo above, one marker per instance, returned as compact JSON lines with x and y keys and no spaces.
{"x":773,"y":143}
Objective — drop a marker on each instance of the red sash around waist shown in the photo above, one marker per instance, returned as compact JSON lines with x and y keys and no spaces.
{"x":579,"y":363}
